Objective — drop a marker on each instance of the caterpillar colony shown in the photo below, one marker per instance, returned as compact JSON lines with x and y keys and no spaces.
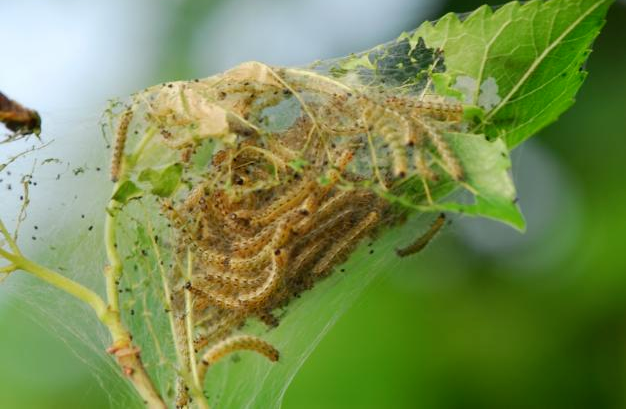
{"x":282,"y":201}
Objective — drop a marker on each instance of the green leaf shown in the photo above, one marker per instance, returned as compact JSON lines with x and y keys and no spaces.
{"x":486,"y":166}
{"x":486,"y":175}
{"x":354,"y":62}
{"x":149,"y":175}
{"x":298,"y":164}
{"x":523,"y":63}
{"x":127,"y":191}
{"x":516,"y":69}
{"x":443,"y":86}
{"x":164,"y":182}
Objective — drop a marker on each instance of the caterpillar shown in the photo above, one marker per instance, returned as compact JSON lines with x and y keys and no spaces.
{"x":251,"y":298}
{"x":423,"y":240}
{"x":278,"y":207}
{"x":345,"y":243}
{"x":234,"y":344}
{"x":120,"y":142}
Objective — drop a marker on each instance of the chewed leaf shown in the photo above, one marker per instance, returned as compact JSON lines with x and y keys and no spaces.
{"x":442,"y":85}
{"x":534,"y":52}
{"x":405,"y":62}
{"x":486,"y":168}
{"x":127,"y":191}
{"x":164,"y":182}
{"x":354,"y":62}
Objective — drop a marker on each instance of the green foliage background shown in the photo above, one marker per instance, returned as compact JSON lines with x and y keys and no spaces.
{"x":460,"y":325}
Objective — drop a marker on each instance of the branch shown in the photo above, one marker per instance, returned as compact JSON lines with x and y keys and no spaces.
{"x":127,"y":356}
{"x":5,"y":233}
{"x":58,"y":281}
{"x":8,"y":269}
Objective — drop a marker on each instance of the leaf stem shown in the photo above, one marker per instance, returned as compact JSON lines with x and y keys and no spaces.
{"x":59,"y":281}
{"x":8,"y":269}
{"x":9,"y":239}
{"x":196,"y":386}
{"x":128,"y":355}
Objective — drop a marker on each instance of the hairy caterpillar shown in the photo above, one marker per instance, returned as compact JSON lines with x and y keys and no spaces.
{"x":234,"y":344}
{"x":423,"y":240}
{"x":253,"y":297}
{"x":344,"y":243}
{"x":120,"y":142}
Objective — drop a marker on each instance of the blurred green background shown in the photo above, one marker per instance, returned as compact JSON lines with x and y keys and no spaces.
{"x":485,"y":317}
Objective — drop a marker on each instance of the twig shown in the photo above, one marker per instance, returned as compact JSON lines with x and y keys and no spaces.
{"x":196,"y":387}
{"x":8,"y":269}
{"x":25,"y":201}
{"x":127,"y":355}
{"x":9,"y":239}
